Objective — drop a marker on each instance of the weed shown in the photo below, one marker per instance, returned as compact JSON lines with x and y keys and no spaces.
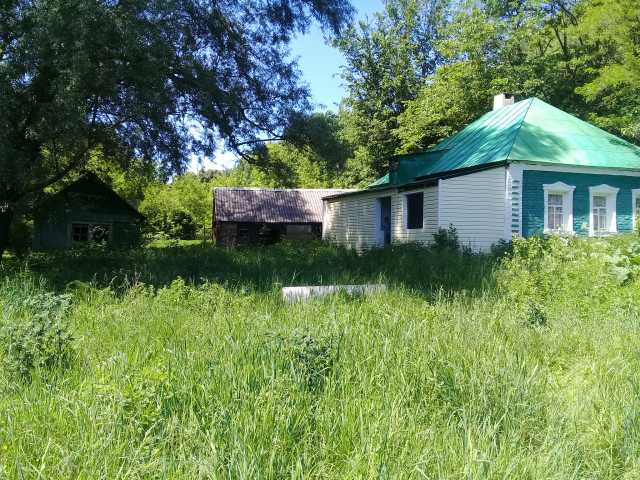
{"x":311,"y":358}
{"x":446,"y":239}
{"x":35,"y":334}
{"x":522,"y":366}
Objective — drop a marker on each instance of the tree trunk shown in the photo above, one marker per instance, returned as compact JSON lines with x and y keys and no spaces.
{"x":6,"y":215}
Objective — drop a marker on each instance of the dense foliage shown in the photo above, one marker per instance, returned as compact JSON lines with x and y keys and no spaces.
{"x":469,"y":366}
{"x":415,"y":72}
{"x":159,"y":80}
{"x":422,"y":69}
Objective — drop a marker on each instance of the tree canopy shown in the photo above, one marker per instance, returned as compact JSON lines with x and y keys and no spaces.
{"x":150,"y":84}
{"x":422,"y":69}
{"x":158,"y":80}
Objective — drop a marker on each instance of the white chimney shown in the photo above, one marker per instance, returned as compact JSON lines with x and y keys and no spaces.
{"x":503,"y":100}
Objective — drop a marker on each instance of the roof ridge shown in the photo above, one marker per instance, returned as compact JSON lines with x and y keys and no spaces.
{"x":515,"y":136}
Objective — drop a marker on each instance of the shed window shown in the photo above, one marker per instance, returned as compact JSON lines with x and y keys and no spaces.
{"x":91,"y":232}
{"x":80,"y":232}
{"x":415,"y":210}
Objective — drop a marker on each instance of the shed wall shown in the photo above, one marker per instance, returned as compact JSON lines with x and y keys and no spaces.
{"x":399,"y":231}
{"x":52,"y":230}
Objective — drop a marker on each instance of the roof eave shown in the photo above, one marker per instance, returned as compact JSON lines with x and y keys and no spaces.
{"x":458,"y":172}
{"x":554,"y":164}
{"x":360,"y":192}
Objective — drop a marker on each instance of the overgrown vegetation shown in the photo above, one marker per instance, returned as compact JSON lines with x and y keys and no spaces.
{"x":184,"y":362}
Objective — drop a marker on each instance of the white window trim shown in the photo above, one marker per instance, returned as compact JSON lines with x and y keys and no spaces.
{"x":635,"y":194}
{"x":559,"y":188}
{"x":611,"y":194}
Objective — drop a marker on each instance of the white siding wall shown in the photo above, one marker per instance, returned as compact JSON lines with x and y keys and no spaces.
{"x":350,"y":221}
{"x":353,"y":221}
{"x":399,"y":232}
{"x":475,"y":204}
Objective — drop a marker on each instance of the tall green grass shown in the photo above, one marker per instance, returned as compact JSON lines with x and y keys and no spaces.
{"x":468,"y":367}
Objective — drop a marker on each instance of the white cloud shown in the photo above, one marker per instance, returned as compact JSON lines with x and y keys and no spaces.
{"x":221,"y":160}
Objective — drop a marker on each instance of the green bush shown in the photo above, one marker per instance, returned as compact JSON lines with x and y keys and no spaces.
{"x":35,"y":335}
{"x":446,"y":239}
{"x":21,"y":236}
{"x":311,"y":358}
{"x":176,"y":225}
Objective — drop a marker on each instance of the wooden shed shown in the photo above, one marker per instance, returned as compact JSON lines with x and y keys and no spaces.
{"x":87,"y":211}
{"x":265,"y":216}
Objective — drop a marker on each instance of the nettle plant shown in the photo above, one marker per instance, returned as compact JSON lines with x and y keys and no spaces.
{"x":310,"y":358}
{"x":35,"y":335}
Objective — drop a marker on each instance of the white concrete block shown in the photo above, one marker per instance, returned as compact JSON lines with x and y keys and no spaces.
{"x":293,"y":294}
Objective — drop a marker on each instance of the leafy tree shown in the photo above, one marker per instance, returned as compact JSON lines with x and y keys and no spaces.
{"x":127,"y":177}
{"x":139,"y":78}
{"x":527,"y":48}
{"x":314,"y":157}
{"x":614,"y":25}
{"x":387,"y":61}
{"x":179,"y":208}
{"x":454,"y":97}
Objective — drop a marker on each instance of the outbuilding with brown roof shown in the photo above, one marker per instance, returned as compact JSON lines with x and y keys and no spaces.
{"x":265,"y":215}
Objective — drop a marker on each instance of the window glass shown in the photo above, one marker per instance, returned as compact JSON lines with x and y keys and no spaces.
{"x":91,"y":232}
{"x":600,"y":214}
{"x":415,"y":209}
{"x":555,"y":214}
{"x":80,"y":232}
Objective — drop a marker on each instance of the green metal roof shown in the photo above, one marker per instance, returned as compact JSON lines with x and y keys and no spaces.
{"x":531,"y":131}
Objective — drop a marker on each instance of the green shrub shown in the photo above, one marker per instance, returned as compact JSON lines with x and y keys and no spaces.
{"x":21,"y":234}
{"x":310,"y":358}
{"x":536,"y":317}
{"x":446,"y":239}
{"x":144,"y":399}
{"x":36,"y":336}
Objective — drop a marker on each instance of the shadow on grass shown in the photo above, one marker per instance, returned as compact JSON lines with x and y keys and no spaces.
{"x":262,"y":269}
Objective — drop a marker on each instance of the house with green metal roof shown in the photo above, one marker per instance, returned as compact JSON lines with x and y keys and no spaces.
{"x":524,"y":168}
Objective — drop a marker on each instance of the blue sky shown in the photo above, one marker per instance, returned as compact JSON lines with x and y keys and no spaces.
{"x":320,"y":65}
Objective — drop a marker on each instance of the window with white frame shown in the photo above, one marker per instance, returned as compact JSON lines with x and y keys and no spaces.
{"x":555,"y":211}
{"x":602,"y":216}
{"x":600,"y":224}
{"x":558,"y":208}
{"x":635,"y":207}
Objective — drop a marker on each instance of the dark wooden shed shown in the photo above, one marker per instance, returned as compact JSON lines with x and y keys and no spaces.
{"x":265,"y":216}
{"x":87,"y":211}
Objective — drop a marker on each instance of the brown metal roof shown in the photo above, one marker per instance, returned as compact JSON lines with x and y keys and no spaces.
{"x":264,"y":205}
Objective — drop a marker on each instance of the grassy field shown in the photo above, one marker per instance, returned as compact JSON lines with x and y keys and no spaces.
{"x":183,"y":362}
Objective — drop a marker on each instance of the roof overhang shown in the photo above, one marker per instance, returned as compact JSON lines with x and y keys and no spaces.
{"x":561,"y":165}
{"x":363,"y":191}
